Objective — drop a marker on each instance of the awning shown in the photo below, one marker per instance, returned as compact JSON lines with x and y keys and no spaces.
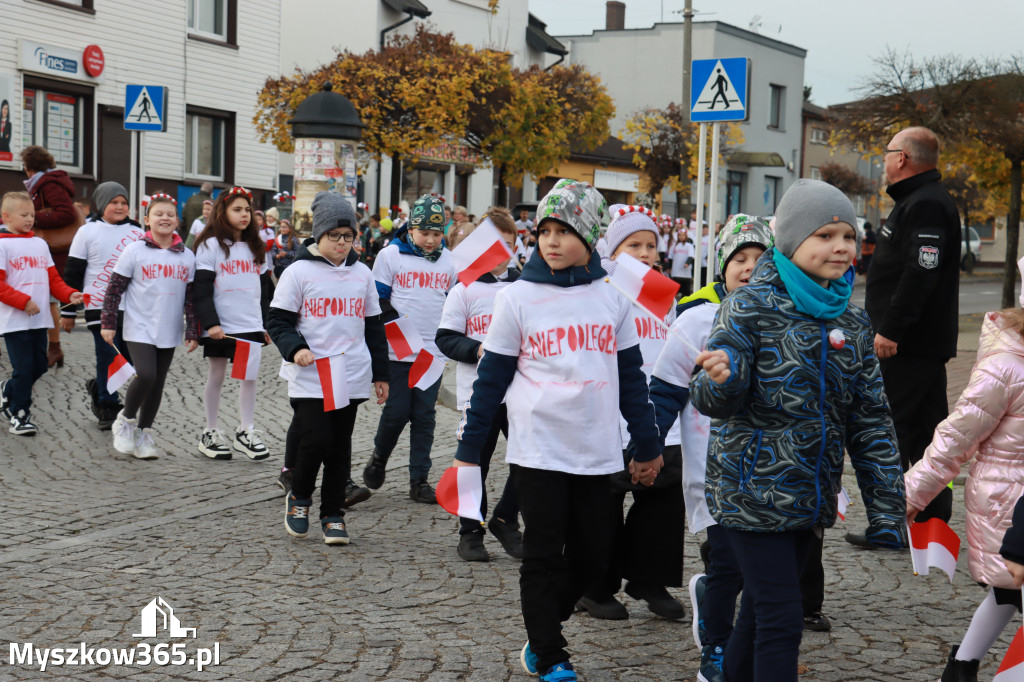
{"x":772,"y":159}
{"x":538,"y":38}
{"x":414,"y":7}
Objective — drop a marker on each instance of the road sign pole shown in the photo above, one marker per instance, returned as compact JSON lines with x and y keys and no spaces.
{"x":142,"y":176}
{"x":713,"y":199}
{"x":701,"y":160}
{"x":133,"y":189}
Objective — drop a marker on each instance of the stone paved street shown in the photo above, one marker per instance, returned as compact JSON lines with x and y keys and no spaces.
{"x":90,"y":537}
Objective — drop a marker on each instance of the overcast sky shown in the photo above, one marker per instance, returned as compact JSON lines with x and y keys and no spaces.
{"x":841,"y":38}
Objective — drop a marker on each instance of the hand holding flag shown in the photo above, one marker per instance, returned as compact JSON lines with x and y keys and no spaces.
{"x":118,"y":373}
{"x":246,"y":363}
{"x":460,"y":491}
{"x":482,"y":251}
{"x":333,"y":381}
{"x":403,"y":337}
{"x":933,"y":543}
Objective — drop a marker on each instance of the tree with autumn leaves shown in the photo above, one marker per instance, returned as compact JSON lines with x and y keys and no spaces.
{"x":425,"y":89}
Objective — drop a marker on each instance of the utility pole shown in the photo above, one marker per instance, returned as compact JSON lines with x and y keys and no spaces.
{"x":685,"y":104}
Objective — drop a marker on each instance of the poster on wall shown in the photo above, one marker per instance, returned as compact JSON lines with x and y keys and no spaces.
{"x":7,"y":113}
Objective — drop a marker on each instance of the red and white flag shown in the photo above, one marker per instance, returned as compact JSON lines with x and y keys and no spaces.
{"x":651,"y":290}
{"x":842,"y":503}
{"x":86,"y":299}
{"x":933,"y":543}
{"x":460,"y":491}
{"x":333,"y":381}
{"x":246,"y":363}
{"x":425,"y":370}
{"x":482,"y":251}
{"x":118,"y":373}
{"x":403,"y":337}
{"x":1012,"y":667}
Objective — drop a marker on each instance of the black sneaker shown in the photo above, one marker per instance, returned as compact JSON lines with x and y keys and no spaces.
{"x":957,"y":670}
{"x":659,"y":601}
{"x":603,"y":607}
{"x":107,"y":414}
{"x":354,"y":494}
{"x":373,"y":474}
{"x":420,"y":491}
{"x":817,"y":622}
{"x":507,"y":533}
{"x":21,"y":426}
{"x":471,"y":547}
{"x":284,"y":480}
{"x":214,"y":445}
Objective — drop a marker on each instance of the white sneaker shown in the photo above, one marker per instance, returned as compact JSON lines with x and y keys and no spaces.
{"x":248,"y":441}
{"x":214,"y":445}
{"x":145,"y":448}
{"x":124,"y":434}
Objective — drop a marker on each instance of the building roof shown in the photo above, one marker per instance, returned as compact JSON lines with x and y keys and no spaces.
{"x":716,"y":26}
{"x":815,"y":112}
{"x":413,"y":7}
{"x":612,"y":151}
{"x":537,"y":38}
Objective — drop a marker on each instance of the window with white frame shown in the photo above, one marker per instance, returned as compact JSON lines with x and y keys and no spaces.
{"x":205,"y":147}
{"x":54,"y":120}
{"x":819,"y":136}
{"x":208,"y":18}
{"x":815,"y":173}
{"x":860,"y":204}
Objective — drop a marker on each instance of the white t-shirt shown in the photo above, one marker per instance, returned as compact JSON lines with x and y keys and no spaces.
{"x":662,"y":242}
{"x":197,"y":226}
{"x":236,"y":287}
{"x":524,"y":226}
{"x":155,"y":299}
{"x":468,"y":311}
{"x":674,"y":365}
{"x":333,"y":303}
{"x":680,"y":252}
{"x":267,"y":235}
{"x":26,"y":262}
{"x":418,"y":289}
{"x":652,"y":341}
{"x":567,"y":377}
{"x":100,"y":244}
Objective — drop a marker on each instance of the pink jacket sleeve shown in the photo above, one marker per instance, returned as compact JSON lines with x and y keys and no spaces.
{"x":977,"y":413}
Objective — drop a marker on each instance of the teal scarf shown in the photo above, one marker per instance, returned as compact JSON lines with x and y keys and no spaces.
{"x":809,"y":297}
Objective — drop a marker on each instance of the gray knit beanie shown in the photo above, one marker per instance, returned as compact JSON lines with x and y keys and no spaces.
{"x":106,"y":192}
{"x":625,"y":221}
{"x":331,"y":211}
{"x":806,"y":206}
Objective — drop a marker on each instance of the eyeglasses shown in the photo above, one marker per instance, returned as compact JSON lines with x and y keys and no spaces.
{"x":887,"y":150}
{"x":340,"y":236}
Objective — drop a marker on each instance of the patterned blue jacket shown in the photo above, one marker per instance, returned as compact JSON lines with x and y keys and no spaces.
{"x":782,"y":419}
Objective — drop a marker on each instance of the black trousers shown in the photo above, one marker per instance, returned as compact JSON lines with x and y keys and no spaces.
{"x":565,"y":546}
{"x":812,"y":582}
{"x":916,"y":388}
{"x":142,"y":399}
{"x":324,"y":438}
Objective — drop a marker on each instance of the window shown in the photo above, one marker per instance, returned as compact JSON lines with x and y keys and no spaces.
{"x":54,"y":116}
{"x":423,"y":178}
{"x":772,"y":185}
{"x":860,"y":204}
{"x":819,"y":136}
{"x":777,"y":107}
{"x":213,"y":20}
{"x":734,"y":192}
{"x":80,"y":5}
{"x":815,"y":173}
{"x":209,"y":144}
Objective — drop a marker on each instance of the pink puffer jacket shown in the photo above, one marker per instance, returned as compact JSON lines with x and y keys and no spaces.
{"x":987,"y":425}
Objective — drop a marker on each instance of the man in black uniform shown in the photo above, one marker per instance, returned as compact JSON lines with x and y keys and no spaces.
{"x":912,"y":299}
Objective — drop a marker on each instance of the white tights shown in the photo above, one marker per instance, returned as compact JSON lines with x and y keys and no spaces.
{"x":211,"y":396}
{"x":988,"y":623}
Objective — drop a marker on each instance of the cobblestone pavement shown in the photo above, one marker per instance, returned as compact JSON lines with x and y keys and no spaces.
{"x":92,"y":536}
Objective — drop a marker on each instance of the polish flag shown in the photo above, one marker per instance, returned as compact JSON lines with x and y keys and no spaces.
{"x":86,"y":298}
{"x":651,"y":290}
{"x":118,"y":373}
{"x":246,"y":363}
{"x":460,"y":491}
{"x":403,"y":337}
{"x":333,"y":381}
{"x":1012,"y":667}
{"x":482,"y":251}
{"x":425,"y":370}
{"x":933,"y":543}
{"x":842,"y":502}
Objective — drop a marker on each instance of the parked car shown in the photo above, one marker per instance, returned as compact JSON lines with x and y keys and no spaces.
{"x":970,"y":249}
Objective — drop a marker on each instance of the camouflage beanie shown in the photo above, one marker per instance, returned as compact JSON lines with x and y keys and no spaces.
{"x":427,"y":214}
{"x":576,"y":205}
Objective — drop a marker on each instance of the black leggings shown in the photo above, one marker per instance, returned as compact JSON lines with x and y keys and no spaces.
{"x":147,"y":389}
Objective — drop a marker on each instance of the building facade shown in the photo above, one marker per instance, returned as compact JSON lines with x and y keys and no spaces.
{"x":64,"y":70}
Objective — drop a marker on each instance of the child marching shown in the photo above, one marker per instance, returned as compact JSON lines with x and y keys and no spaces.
{"x":27,"y":280}
{"x":232,"y":294}
{"x":326,"y":320}
{"x":158,"y":268}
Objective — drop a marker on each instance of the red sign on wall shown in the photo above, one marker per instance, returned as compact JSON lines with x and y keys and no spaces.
{"x":93,"y":61}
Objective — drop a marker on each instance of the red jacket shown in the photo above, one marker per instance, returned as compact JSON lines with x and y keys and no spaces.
{"x":54,"y":191}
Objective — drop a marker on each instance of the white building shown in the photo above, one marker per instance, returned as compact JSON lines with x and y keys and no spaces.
{"x":644,"y":68}
{"x":314,"y":31}
{"x":65,"y":65}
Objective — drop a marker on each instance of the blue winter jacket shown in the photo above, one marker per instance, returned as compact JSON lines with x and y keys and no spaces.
{"x":780,"y":422}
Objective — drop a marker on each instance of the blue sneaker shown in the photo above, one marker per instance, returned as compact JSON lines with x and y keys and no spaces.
{"x":334,"y":530}
{"x":711,"y":664}
{"x":560,"y":672}
{"x":296,"y":515}
{"x":528,"y":660}
{"x":697,"y":585}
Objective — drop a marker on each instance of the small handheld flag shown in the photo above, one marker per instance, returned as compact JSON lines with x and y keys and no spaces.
{"x":482,"y":251}
{"x":333,"y":381}
{"x":403,"y":337}
{"x":425,"y":370}
{"x":460,"y":491}
{"x":118,"y":373}
{"x":246,"y":363}
{"x":649,"y":289}
{"x":1012,"y":667}
{"x":842,"y":502}
{"x":933,"y":543}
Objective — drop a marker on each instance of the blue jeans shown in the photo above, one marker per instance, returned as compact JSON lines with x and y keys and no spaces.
{"x":407,"y":406}
{"x":723,"y":585}
{"x":105,"y":354}
{"x":26,"y":351}
{"x":765,"y":642}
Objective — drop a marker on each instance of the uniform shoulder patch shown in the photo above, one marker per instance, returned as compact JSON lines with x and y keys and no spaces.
{"x":928,"y":257}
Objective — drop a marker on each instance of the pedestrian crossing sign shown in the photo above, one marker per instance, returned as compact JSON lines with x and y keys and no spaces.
{"x":145,"y":107}
{"x":718,"y":89}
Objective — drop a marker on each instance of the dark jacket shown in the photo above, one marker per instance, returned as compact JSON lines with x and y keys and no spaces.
{"x":282,"y":325}
{"x":914,"y":277}
{"x":458,"y":346}
{"x":1013,"y":540}
{"x":56,"y":192}
{"x":279,"y":264}
{"x":793,"y":403}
